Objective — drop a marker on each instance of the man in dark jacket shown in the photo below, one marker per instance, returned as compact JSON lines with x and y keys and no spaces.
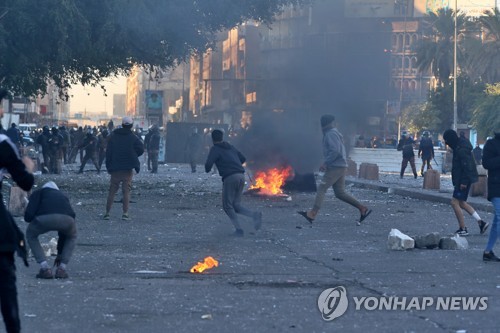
{"x":154,"y":148}
{"x":463,"y":175}
{"x":405,"y":145}
{"x":90,"y":146}
{"x":55,"y":151}
{"x":491,"y":162}
{"x":122,"y":158}
{"x":229,"y":162}
{"x":147,"y":137}
{"x":193,"y":148}
{"x":13,"y":134}
{"x":50,"y":210}
{"x":43,"y":141}
{"x":478,"y":154}
{"x":20,"y":170}
{"x":426,"y":151}
{"x":76,"y":141}
{"x":66,"y":144}
{"x":102,"y":144}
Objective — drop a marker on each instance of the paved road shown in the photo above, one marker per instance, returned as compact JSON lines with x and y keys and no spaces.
{"x":132,"y":276}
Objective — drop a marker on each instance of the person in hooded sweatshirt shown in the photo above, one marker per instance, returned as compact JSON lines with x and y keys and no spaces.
{"x":463,"y":175}
{"x":491,"y":162}
{"x":122,"y":158}
{"x":50,"y":210}
{"x":335,"y":168}
{"x":229,"y":162}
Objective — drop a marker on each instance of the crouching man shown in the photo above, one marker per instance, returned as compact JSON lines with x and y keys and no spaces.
{"x":50,"y":210}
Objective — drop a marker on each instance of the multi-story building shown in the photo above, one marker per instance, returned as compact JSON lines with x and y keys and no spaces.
{"x":354,"y":58}
{"x":119,"y":105}
{"x":153,"y":97}
{"x":52,"y":110}
{"x":310,"y":61}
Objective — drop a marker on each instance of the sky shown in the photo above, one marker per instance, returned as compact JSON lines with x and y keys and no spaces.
{"x":92,"y":99}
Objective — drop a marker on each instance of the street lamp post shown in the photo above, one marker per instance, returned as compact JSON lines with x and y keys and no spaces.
{"x":404,"y":4}
{"x":455,"y":71}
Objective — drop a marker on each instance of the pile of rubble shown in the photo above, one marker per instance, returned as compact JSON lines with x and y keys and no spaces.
{"x":399,"y":241}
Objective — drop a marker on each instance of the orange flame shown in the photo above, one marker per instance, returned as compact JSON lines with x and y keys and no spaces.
{"x":207,"y":263}
{"x":270,"y":182}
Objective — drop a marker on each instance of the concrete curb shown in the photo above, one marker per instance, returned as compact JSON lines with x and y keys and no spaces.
{"x":478,"y":203}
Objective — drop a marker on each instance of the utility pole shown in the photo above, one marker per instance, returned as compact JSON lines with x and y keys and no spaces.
{"x":455,"y":71}
{"x":404,"y":3}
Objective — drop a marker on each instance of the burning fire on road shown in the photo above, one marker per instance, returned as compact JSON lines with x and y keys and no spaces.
{"x":208,"y":263}
{"x":270,"y":182}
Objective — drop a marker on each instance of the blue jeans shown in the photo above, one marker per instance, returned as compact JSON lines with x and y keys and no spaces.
{"x":495,"y":229}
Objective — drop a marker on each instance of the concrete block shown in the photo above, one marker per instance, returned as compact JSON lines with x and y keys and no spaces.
{"x":432,"y":180}
{"x":399,"y":241}
{"x":368,"y":171}
{"x":352,"y":168}
{"x":453,"y":243}
{"x":480,"y":188}
{"x":429,"y":241}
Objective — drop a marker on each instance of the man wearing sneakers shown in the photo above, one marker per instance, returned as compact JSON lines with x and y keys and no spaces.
{"x":491,"y":162}
{"x":50,"y":210}
{"x":122,"y":158}
{"x":463,"y":175}
{"x":229,"y":162}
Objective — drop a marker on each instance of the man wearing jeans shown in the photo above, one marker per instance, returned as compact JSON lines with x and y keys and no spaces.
{"x":122,"y":158}
{"x":491,"y":162}
{"x":335,"y":167}
{"x":229,"y":162}
{"x":50,"y":210}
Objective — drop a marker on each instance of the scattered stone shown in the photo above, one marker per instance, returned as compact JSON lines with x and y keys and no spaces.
{"x":18,"y":200}
{"x":429,"y":241}
{"x":399,"y":241}
{"x":453,"y":243}
{"x":50,"y":248}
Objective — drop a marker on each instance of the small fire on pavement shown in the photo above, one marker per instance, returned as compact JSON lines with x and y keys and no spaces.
{"x":207,"y":263}
{"x":270,"y":182}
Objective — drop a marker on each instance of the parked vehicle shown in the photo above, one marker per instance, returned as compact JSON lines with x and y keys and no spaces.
{"x":26,"y":128}
{"x":27,"y":141}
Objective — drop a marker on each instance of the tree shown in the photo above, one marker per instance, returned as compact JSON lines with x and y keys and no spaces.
{"x":84,"y":41}
{"x":484,"y":60}
{"x":435,"y":52}
{"x":485,"y":116}
{"x":417,"y":117}
{"x":440,"y":104}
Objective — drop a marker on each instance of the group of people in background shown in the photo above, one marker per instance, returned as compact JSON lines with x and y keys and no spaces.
{"x":50,"y":210}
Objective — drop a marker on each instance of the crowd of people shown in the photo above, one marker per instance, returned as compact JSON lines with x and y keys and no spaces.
{"x":49,"y":209}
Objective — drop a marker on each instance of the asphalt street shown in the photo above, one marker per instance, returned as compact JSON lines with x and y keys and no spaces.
{"x":133,"y":276}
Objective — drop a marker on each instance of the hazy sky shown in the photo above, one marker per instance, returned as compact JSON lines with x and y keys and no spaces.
{"x":93,"y":100}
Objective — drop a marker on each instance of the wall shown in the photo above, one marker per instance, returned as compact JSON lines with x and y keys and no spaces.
{"x":389,"y":160}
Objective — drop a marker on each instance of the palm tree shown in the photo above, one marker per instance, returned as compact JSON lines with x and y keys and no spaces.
{"x":484,"y":60}
{"x":435,"y":52}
